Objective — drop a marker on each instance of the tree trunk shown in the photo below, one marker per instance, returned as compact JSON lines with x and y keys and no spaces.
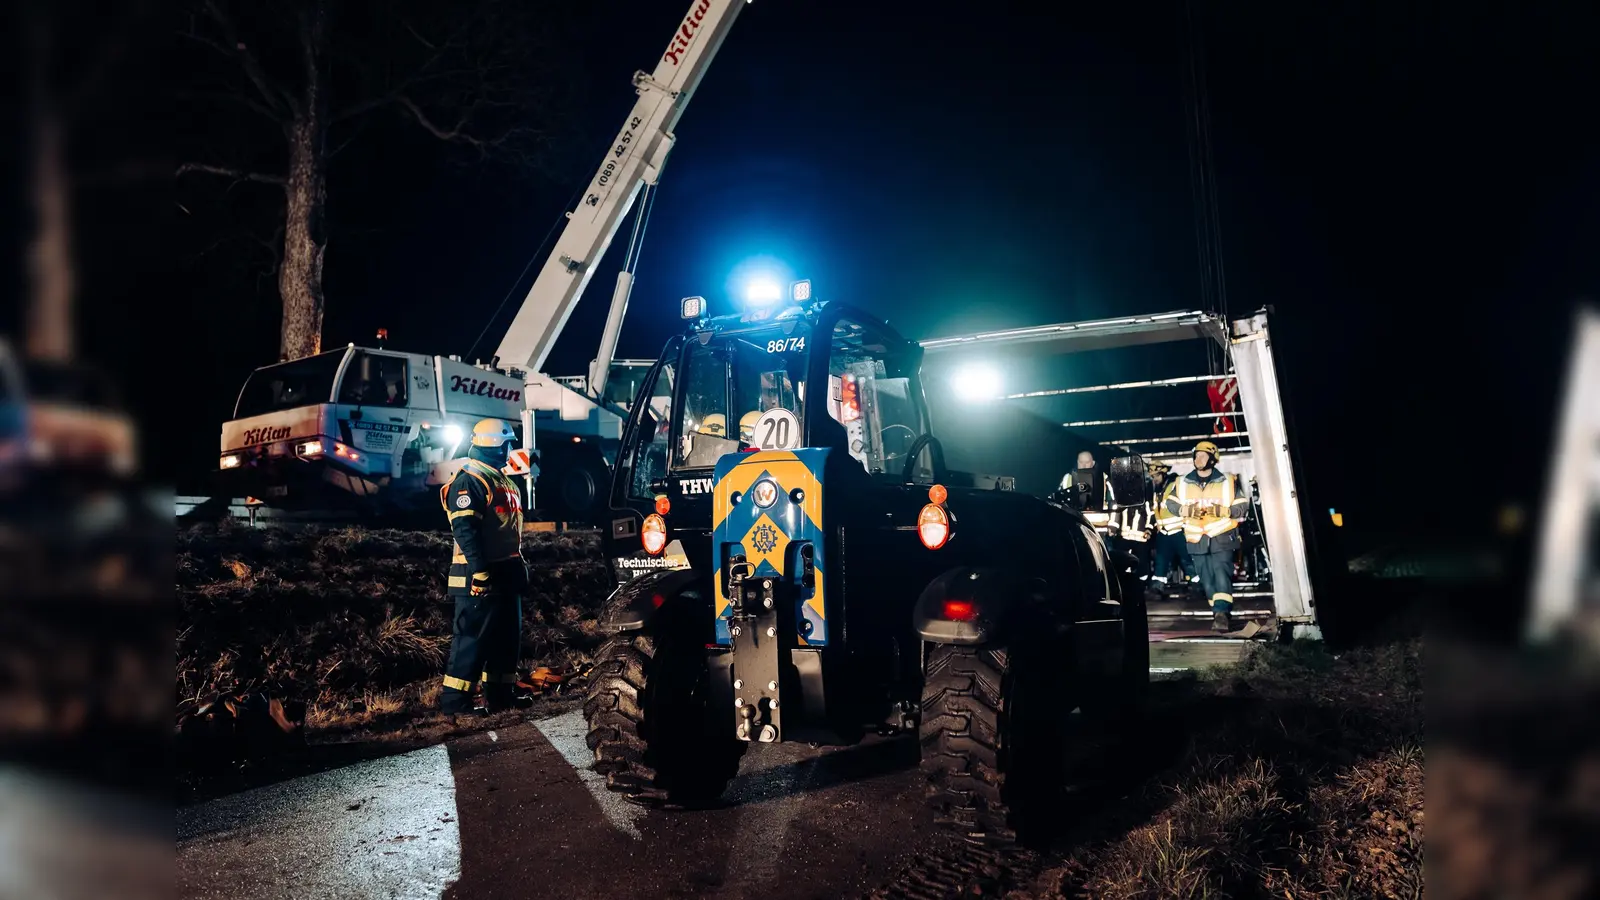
{"x":300,"y":277}
{"x":304,"y":238}
{"x":51,"y":276}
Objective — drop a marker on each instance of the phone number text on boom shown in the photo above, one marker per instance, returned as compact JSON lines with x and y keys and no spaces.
{"x":623,"y":140}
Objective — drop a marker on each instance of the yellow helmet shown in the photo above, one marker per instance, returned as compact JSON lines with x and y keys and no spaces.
{"x":1157,"y":465}
{"x":492,"y":433}
{"x":715,"y":425}
{"x":1208,"y":447}
{"x":747,"y":424}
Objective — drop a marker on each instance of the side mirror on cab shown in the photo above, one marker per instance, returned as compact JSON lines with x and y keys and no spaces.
{"x":1127,"y":482}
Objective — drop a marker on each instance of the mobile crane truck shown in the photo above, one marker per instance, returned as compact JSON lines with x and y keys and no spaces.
{"x":380,"y":430}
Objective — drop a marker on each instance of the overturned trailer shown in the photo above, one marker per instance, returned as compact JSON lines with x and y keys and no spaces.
{"x":1276,"y":589}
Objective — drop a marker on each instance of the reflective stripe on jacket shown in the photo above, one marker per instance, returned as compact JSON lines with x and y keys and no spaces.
{"x":485,"y":512}
{"x":1167,"y":521}
{"x":1208,"y":506}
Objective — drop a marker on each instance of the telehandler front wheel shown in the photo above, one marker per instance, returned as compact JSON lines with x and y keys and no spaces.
{"x":653,"y":734}
{"x":993,"y":740}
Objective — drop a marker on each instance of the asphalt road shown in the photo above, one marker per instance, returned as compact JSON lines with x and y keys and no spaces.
{"x":517,"y":813}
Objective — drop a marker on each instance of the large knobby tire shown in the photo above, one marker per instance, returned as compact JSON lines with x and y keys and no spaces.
{"x":992,"y":742}
{"x":573,"y":482}
{"x":653,"y":734}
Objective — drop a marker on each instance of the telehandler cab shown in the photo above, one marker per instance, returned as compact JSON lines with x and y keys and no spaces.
{"x":796,"y":562}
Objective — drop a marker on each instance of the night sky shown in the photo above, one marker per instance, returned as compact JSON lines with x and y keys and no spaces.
{"x":1417,"y":195}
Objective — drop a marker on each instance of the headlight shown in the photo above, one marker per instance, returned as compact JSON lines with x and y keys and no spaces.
{"x":453,"y":434}
{"x":309,"y":448}
{"x":232,"y":461}
{"x":933,"y":526}
{"x":653,"y":534}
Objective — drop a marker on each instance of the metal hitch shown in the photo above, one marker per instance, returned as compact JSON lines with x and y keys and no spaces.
{"x":760,"y":639}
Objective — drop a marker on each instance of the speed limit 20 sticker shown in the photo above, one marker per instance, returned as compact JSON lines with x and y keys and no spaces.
{"x":777,"y":429}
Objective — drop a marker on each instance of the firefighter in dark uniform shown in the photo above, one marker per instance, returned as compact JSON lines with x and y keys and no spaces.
{"x":487,"y":574}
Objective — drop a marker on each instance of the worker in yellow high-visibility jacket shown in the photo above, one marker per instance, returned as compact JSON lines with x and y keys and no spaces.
{"x":1211,"y":506}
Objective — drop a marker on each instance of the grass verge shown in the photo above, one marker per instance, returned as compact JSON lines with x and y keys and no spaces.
{"x":1299,"y":774}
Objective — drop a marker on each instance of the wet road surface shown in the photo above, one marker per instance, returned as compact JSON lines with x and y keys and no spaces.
{"x":517,"y":813}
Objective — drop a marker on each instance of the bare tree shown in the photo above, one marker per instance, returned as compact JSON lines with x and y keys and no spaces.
{"x":305,"y":76}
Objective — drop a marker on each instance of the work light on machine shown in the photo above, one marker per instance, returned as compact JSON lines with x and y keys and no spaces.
{"x":976,"y":383}
{"x":762,"y":292}
{"x":800,"y":291}
{"x":692,"y":308}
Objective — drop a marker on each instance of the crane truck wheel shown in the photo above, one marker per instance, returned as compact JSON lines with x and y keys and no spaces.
{"x":651,"y":728}
{"x":993,"y":741}
{"x":573,"y":482}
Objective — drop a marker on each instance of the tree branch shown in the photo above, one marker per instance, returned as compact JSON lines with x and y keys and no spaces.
{"x":236,"y":174}
{"x":454,"y":133}
{"x":276,"y":98}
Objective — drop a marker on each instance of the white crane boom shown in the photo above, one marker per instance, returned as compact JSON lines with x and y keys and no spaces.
{"x":634,"y":160}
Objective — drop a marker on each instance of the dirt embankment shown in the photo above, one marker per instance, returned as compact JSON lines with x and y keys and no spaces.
{"x":1299,"y":775}
{"x":355,"y":622}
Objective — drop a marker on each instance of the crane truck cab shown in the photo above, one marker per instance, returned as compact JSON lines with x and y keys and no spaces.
{"x":380,"y":430}
{"x":828,"y":575}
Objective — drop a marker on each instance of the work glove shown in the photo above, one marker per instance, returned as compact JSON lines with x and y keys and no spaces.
{"x":480,"y":583}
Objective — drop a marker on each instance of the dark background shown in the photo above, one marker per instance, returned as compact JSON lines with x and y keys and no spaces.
{"x":1416,"y":192}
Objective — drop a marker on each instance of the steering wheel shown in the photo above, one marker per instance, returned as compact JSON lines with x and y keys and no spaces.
{"x":935,"y":449}
{"x":907,"y":428}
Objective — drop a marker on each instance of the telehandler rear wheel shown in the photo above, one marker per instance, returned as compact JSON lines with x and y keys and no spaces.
{"x":993,"y":740}
{"x":653,"y":734}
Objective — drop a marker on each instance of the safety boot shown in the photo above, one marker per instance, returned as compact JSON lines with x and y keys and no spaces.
{"x":1221,"y":622}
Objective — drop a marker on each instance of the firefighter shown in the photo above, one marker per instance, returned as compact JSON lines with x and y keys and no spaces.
{"x":1211,"y":507}
{"x":487,"y":574}
{"x":1094,"y":510}
{"x":1170,"y":548}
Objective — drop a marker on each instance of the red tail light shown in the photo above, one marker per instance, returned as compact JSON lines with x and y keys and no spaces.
{"x":933,"y":526}
{"x":653,"y":534}
{"x":849,"y":399}
{"x":960,"y":610}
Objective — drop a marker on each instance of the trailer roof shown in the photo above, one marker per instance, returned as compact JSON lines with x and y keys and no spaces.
{"x":1100,"y":334}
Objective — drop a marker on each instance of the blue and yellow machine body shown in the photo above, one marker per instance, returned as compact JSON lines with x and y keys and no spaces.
{"x":767,"y":510}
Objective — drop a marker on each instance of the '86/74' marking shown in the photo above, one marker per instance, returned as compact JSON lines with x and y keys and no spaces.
{"x":786,"y":345}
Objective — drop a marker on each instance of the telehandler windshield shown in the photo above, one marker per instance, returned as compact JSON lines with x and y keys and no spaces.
{"x":741,"y":390}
